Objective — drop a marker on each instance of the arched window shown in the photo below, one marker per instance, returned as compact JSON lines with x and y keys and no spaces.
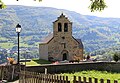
{"x":59,"y":27}
{"x":65,"y":27}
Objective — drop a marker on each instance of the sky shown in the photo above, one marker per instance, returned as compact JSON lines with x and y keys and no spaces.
{"x":79,"y":6}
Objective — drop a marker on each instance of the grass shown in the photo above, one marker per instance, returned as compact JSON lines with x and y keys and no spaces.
{"x":2,"y":38}
{"x":32,"y":63}
{"x":37,"y":62}
{"x":41,"y":61}
{"x":6,"y":45}
{"x":24,"y":45}
{"x":95,"y":74}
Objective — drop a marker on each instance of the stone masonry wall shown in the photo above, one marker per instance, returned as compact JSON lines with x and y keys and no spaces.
{"x":102,"y":66}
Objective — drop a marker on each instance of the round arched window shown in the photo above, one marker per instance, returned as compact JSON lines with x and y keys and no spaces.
{"x":65,"y":27}
{"x":59,"y":27}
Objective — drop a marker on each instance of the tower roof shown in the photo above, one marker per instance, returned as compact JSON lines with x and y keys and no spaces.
{"x":62,"y":16}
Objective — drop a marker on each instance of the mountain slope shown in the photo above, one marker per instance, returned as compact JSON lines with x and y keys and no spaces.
{"x":95,"y":32}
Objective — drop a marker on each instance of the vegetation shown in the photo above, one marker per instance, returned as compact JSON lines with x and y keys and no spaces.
{"x":116,"y":57}
{"x":11,"y":61}
{"x":95,"y":74}
{"x":2,"y":5}
{"x":95,"y":34}
{"x":36,"y":62}
{"x":31,"y":63}
{"x":6,"y":45}
{"x":41,"y":61}
{"x":96,"y":5}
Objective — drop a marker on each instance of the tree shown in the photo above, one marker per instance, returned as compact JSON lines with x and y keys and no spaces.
{"x":11,"y":60}
{"x":96,"y":5}
{"x":88,"y":57}
{"x":2,"y":5}
{"x":116,"y":57}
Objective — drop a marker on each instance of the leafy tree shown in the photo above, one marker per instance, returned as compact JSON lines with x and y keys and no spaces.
{"x":96,"y":5}
{"x":116,"y":57}
{"x":2,"y":5}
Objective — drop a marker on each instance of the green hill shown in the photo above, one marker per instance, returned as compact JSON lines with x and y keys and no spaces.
{"x":95,"y":32}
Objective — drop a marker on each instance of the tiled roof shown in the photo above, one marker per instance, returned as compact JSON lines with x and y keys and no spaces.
{"x":50,"y":37}
{"x":47,"y":39}
{"x":80,"y":43}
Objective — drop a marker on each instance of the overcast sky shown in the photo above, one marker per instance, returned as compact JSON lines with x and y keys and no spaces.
{"x":80,"y":6}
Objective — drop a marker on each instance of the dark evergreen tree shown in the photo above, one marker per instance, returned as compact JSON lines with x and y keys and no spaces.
{"x":116,"y":57}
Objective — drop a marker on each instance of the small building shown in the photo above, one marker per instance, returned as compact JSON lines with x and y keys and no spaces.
{"x":61,"y":45}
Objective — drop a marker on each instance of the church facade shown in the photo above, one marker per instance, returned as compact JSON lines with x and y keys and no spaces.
{"x":61,"y":45}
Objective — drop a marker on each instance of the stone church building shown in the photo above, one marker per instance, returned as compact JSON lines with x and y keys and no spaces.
{"x":61,"y":45}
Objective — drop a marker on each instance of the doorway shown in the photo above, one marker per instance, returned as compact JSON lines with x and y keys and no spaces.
{"x":64,"y":56}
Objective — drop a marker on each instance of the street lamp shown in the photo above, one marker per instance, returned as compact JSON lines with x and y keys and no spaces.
{"x":18,"y":30}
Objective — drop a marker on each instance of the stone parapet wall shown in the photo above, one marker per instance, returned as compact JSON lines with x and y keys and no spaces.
{"x":71,"y":67}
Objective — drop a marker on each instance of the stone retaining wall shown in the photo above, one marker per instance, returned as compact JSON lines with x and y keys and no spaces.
{"x":71,"y":67}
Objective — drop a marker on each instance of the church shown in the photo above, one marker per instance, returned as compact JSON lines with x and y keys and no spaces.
{"x":61,"y":45}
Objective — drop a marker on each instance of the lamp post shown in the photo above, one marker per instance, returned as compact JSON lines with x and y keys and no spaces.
{"x":18,"y":30}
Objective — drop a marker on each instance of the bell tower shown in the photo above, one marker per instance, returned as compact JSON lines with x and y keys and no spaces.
{"x":62,"y":46}
{"x":62,"y":27}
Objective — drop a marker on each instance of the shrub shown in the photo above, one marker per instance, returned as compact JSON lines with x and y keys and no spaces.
{"x":88,"y":57}
{"x":11,"y":60}
{"x":116,"y":57}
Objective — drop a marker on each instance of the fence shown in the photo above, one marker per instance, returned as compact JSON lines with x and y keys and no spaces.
{"x":33,"y":77}
{"x":10,"y":72}
{"x":90,"y":80}
{"x":4,"y":72}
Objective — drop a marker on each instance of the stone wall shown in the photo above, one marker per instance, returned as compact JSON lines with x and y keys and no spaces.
{"x":43,"y":51}
{"x":71,"y":67}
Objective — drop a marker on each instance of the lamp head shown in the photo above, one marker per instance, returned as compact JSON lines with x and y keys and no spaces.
{"x":18,"y":28}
